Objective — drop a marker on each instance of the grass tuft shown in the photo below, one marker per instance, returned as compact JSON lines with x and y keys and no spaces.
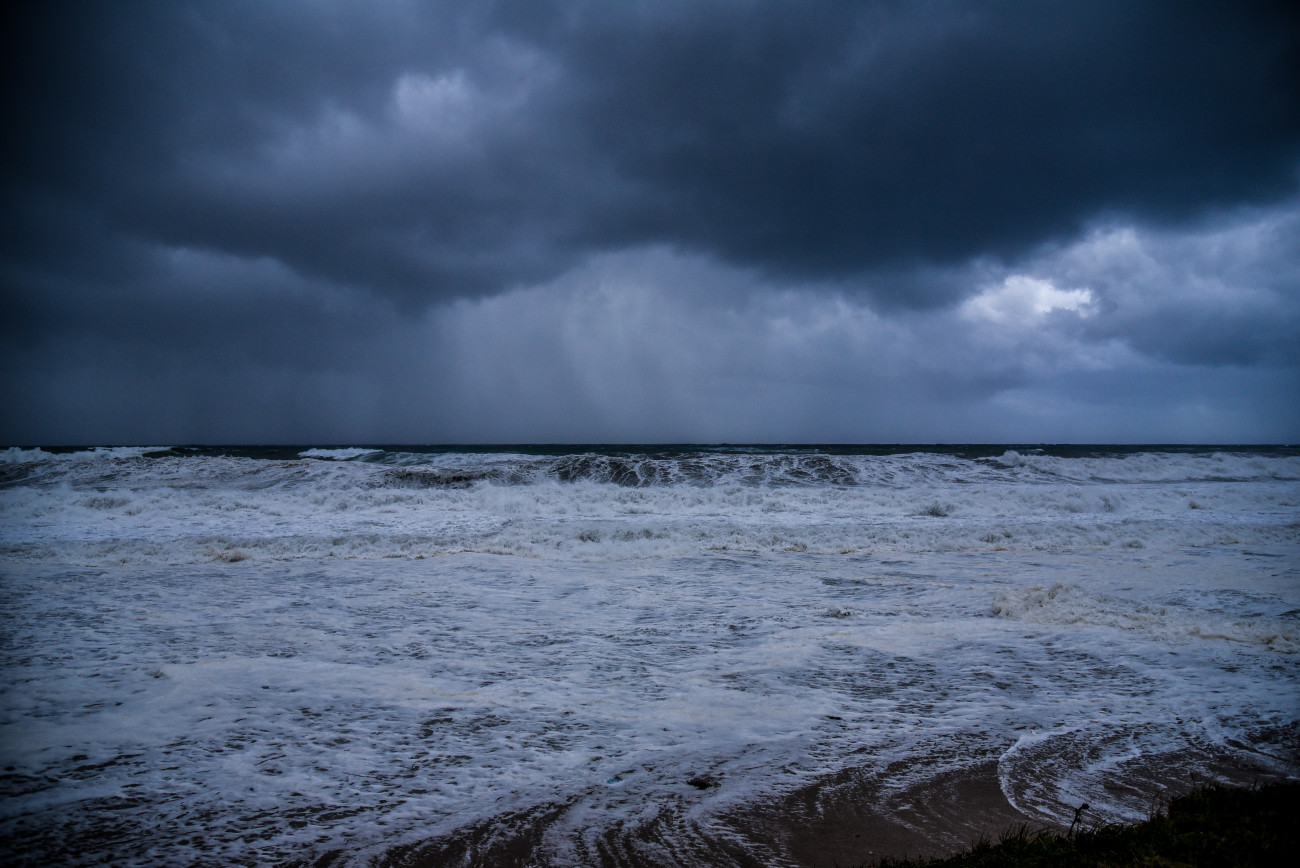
{"x":1216,"y":826}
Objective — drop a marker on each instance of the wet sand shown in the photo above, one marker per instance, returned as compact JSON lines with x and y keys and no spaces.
{"x":851,"y":819}
{"x":858,"y":819}
{"x":854,"y":818}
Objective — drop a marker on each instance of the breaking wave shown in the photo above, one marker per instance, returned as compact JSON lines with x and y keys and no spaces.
{"x":110,"y":506}
{"x":1073,"y":605}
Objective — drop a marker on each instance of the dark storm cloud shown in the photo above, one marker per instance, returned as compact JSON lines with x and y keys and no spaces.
{"x":1226,"y":295}
{"x":918,"y":132}
{"x":1109,"y":338}
{"x":404,"y":221}
{"x":430,"y":151}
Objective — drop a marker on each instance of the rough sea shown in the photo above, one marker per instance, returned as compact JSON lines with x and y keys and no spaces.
{"x":355,"y":656}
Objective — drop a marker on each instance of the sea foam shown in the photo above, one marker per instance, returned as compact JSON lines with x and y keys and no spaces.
{"x":249,"y":657}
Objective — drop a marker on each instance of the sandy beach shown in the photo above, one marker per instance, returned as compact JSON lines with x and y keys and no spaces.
{"x":850,"y":819}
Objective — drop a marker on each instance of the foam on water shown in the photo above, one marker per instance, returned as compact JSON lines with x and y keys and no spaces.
{"x":1071,"y":604}
{"x":122,"y":507}
{"x":222,"y":658}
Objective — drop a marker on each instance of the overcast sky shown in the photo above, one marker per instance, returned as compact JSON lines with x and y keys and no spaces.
{"x":744,"y":221}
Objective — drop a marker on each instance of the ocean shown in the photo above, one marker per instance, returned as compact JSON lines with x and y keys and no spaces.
{"x":618,"y":655}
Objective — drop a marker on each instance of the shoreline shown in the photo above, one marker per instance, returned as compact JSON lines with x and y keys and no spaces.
{"x":859,"y":818}
{"x":853,"y":818}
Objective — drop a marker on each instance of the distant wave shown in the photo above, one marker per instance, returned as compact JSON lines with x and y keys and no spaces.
{"x":136,"y":505}
{"x":696,"y":467}
{"x":339,"y":454}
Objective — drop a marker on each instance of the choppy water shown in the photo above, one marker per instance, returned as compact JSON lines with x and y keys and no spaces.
{"x":262,"y":655}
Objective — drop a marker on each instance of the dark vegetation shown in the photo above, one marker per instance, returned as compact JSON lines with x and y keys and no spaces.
{"x":1216,"y":826}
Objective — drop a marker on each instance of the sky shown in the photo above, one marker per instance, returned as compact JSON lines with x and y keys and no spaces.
{"x":327,"y":221}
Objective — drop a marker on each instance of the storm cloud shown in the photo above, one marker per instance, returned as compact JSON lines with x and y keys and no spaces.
{"x":663,"y":221}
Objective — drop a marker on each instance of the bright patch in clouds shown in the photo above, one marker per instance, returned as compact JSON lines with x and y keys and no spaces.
{"x":442,"y":103}
{"x":1024,"y":300}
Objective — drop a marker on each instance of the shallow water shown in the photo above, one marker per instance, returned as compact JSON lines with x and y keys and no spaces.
{"x":216,"y":658}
